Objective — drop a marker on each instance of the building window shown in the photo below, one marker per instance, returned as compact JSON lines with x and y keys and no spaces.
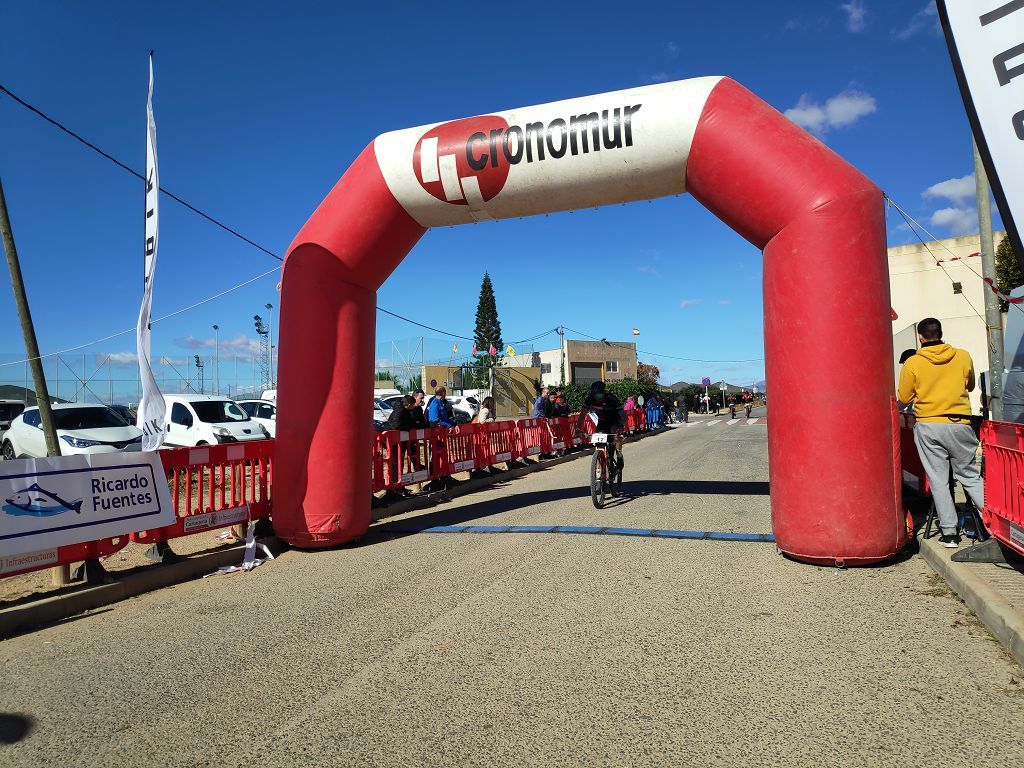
{"x":545,"y":368}
{"x":612,"y":366}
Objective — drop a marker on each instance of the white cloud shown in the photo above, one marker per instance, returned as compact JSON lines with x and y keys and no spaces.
{"x":959,"y":221}
{"x":685,"y":303}
{"x":647,"y":270}
{"x":856,"y":14}
{"x":725,"y":301}
{"x":671,"y":49}
{"x":794,"y":25}
{"x":841,"y":110}
{"x":239,"y":344}
{"x":659,"y":77}
{"x":925,"y":19}
{"x":956,"y":191}
{"x":118,"y":358}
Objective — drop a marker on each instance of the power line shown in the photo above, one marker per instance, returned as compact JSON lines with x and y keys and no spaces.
{"x":135,"y":173}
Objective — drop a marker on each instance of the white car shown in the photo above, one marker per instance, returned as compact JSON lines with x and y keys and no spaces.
{"x":262,"y":412}
{"x":381,"y":411}
{"x":465,"y":408}
{"x":208,"y":420}
{"x":81,"y":428}
{"x":9,"y":411}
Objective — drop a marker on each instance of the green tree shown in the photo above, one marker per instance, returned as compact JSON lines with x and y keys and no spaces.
{"x":647,"y":374}
{"x":488,"y":329}
{"x":1008,"y":274}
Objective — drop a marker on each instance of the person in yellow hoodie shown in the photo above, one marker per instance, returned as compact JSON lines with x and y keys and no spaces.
{"x":936,"y":381}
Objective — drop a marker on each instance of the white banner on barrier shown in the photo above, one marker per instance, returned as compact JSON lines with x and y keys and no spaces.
{"x":53,"y":502}
{"x":580,"y":153}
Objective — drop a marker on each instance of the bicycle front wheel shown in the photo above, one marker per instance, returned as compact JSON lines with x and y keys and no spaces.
{"x":598,"y":477}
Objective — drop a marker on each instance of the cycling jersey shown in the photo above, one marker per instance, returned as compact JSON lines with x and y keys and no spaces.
{"x":608,"y":411}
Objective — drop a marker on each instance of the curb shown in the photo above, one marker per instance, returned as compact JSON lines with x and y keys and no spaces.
{"x":435,"y":498}
{"x":1004,"y":621}
{"x":51,"y":610}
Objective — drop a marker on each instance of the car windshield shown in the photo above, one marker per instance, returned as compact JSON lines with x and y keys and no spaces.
{"x":10,"y":411}
{"x":87,"y":418}
{"x":217,"y":411}
{"x":378,"y":403}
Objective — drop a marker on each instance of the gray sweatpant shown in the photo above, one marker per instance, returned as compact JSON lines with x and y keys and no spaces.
{"x":941,"y":446}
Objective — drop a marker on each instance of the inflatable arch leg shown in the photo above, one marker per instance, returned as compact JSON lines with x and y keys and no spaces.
{"x":834,"y":467}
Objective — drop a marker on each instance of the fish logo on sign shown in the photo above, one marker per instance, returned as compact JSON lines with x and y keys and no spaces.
{"x":35,"y":501}
{"x":445,"y":164}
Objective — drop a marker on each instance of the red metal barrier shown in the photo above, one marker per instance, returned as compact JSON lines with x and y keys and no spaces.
{"x":459,"y":447}
{"x":1003,"y":452}
{"x":914,"y":475}
{"x":531,"y":435}
{"x":497,"y":442}
{"x":406,"y":458}
{"x":13,"y":565}
{"x":558,"y":438}
{"x":215,"y":486}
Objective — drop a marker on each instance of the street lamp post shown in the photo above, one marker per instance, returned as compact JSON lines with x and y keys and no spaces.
{"x":270,"y":329}
{"x":216,"y":366}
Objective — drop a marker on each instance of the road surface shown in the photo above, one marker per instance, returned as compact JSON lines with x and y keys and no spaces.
{"x":546,"y":649}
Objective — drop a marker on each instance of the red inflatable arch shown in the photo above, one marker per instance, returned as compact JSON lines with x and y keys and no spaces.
{"x":834,"y":464}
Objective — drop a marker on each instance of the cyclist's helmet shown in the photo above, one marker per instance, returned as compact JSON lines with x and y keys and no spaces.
{"x":597,"y":389}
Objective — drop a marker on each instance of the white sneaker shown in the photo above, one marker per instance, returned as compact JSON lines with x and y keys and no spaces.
{"x":949,"y":540}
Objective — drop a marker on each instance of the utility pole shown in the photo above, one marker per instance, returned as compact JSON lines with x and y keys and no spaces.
{"x":561,"y":352}
{"x":199,"y":373}
{"x":61,"y":574}
{"x":993,"y":317}
{"x":216,"y":368}
{"x":270,"y":330}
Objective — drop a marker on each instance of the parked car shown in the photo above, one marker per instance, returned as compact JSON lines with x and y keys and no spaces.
{"x":381,"y":412}
{"x":81,"y":428}
{"x":9,"y":411}
{"x":125,"y":412}
{"x":269,"y":394}
{"x":262,"y":412}
{"x":392,"y":401}
{"x":464,"y":408}
{"x":208,"y":420}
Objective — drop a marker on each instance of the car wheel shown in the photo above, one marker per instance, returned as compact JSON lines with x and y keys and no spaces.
{"x":8,"y":451}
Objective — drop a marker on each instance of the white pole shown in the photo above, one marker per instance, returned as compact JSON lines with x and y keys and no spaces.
{"x":993,"y":317}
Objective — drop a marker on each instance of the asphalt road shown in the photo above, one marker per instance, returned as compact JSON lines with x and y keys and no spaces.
{"x":534,"y":649}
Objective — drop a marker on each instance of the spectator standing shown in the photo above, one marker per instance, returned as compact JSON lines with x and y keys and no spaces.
{"x":561,"y":404}
{"x":419,"y":420}
{"x":630,"y":404}
{"x":486,"y":412}
{"x":439,"y":412}
{"x":540,"y":405}
{"x":401,"y":417}
{"x":904,"y":356}
{"x":936,"y":380}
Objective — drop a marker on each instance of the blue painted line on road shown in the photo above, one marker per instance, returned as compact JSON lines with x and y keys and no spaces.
{"x":583,"y":529}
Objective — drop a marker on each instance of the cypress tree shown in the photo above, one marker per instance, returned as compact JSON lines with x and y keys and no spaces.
{"x":1008,"y":275}
{"x":488,"y":328}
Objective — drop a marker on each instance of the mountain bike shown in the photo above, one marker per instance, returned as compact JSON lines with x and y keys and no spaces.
{"x":605,"y":478}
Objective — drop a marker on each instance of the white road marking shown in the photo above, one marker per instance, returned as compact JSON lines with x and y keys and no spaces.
{"x":730,"y":422}
{"x":716,"y":421}
{"x":753,"y":420}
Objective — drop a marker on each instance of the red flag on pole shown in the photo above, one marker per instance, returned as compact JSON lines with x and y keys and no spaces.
{"x":492,"y":351}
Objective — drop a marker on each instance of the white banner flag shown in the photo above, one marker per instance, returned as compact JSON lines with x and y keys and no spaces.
{"x":152,"y":408}
{"x":986,"y":44}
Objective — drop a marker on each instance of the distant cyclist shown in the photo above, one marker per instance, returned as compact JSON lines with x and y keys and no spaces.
{"x":748,"y":402}
{"x":608,"y":410}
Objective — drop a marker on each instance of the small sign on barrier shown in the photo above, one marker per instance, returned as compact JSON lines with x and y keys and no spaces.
{"x":463,"y":466}
{"x":416,"y":477}
{"x":33,"y":560}
{"x":218,"y":519}
{"x":503,"y":457}
{"x":63,"y":500}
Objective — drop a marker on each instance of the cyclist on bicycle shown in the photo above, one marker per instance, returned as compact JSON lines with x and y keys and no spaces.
{"x":610,"y":416}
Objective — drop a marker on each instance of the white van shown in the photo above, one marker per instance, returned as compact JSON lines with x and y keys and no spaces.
{"x":380,"y":394}
{"x":207,"y":420}
{"x":269,"y":394}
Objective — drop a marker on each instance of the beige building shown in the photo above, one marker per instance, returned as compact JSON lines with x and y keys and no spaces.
{"x":585,"y":361}
{"x":950,"y":290}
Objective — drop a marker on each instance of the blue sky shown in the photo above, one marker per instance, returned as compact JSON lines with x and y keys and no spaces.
{"x":260,"y":107}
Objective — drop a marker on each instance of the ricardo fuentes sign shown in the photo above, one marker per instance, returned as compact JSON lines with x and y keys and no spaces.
{"x":53,"y":502}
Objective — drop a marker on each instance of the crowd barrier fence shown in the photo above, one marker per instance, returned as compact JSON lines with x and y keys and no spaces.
{"x":913,"y":470}
{"x":217,"y":486}
{"x":1003,"y":453}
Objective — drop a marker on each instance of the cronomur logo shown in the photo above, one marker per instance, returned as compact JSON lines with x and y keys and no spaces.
{"x":467,"y":162}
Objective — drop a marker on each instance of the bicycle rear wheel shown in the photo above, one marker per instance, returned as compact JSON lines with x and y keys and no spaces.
{"x":598,"y":477}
